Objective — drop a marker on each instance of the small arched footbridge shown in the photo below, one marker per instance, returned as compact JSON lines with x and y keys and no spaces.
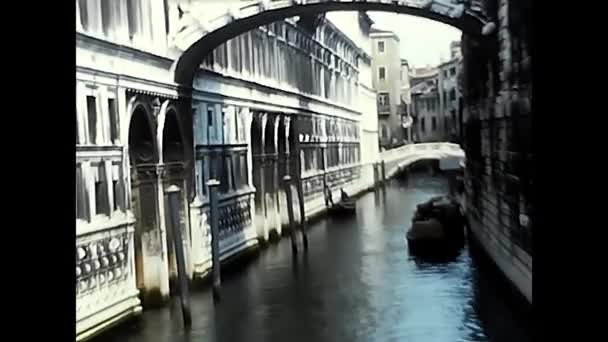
{"x":397,"y":159}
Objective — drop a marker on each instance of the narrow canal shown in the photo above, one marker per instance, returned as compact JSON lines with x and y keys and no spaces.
{"x":356,"y":283}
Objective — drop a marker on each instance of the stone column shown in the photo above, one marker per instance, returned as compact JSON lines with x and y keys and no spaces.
{"x":150,"y":239}
{"x":260,"y":213}
{"x":199,"y":251}
{"x":276,"y":215}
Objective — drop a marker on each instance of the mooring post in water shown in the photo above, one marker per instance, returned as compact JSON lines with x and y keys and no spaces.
{"x":375,"y":167}
{"x":383,"y":172}
{"x":173,"y":196}
{"x":292,"y":226}
{"x":213,"y":185}
{"x":302,"y":213}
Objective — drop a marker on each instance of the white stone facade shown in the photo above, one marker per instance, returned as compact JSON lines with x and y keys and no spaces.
{"x":136,"y":137}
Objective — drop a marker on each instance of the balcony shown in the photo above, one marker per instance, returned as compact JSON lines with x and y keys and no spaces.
{"x":384,"y":109}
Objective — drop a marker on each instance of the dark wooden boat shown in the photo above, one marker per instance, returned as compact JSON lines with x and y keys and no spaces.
{"x":344,"y":208}
{"x":437,"y":227}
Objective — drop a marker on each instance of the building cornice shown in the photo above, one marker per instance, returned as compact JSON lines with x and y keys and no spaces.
{"x":170,"y":89}
{"x":112,"y":48}
{"x":268,"y":89}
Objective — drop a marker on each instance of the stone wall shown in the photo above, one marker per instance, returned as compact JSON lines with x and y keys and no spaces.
{"x":497,"y":95}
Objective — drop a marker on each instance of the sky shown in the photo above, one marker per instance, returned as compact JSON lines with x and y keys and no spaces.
{"x":423,"y":41}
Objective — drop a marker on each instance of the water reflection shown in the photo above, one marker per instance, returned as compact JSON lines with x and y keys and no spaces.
{"x":356,"y":283}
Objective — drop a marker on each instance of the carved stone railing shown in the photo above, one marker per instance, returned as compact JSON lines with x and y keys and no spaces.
{"x":336,"y":177}
{"x":235,"y":211}
{"x":106,"y":288}
{"x":235,"y":215}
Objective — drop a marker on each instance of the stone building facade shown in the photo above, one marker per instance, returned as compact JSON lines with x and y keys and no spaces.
{"x":450,"y":97}
{"x":280,"y":99}
{"x":426,"y":107}
{"x":387,"y":78}
{"x":497,"y":97}
{"x":406,"y":101}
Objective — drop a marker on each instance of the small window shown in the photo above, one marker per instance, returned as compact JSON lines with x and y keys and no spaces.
{"x":237,"y":172}
{"x":204,"y":178}
{"x":381,"y":47}
{"x":381,"y":73}
{"x":84,"y":14}
{"x":433,"y":123}
{"x":102,"y":205}
{"x":118,"y":188}
{"x":383,"y":99}
{"x":82,"y":198}
{"x":77,"y":134}
{"x":453,"y":94}
{"x":134,"y":17}
{"x":244,"y":170}
{"x":422,"y":126}
{"x":384,"y":131}
{"x":452,"y":71}
{"x":114,"y":123}
{"x":92,"y":116}
{"x":224,"y":127}
{"x":210,"y":116}
{"x":106,"y":16}
{"x":236,"y":123}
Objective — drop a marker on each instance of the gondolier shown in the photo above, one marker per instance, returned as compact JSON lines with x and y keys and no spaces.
{"x":328,"y":196}
{"x":343,"y":195}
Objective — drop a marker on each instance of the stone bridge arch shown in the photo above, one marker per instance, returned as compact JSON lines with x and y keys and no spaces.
{"x":396,"y":160}
{"x":203,"y":26}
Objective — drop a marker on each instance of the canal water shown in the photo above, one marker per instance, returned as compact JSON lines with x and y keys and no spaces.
{"x":356,"y":283}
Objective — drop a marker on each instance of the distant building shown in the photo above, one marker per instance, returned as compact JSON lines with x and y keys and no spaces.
{"x":426,"y":111}
{"x":406,"y":100}
{"x":450,"y":98}
{"x":455,"y":49}
{"x":386,"y":80}
{"x":436,"y":104}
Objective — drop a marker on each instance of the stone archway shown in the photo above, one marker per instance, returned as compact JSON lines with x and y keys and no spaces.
{"x":283,"y":167}
{"x":271,"y":172}
{"x":258,"y":122}
{"x":173,"y":172}
{"x":149,"y":236}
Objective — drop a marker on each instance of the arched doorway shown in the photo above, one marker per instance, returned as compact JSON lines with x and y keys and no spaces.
{"x":271,"y":181}
{"x":283,"y":169}
{"x":143,"y":156}
{"x":174,"y":174}
{"x":295,"y":168}
{"x":257,"y":154}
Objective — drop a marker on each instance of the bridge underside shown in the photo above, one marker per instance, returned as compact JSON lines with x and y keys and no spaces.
{"x":203,"y":27}
{"x":449,"y":155}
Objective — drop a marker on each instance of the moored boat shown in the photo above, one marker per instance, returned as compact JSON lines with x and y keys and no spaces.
{"x":437,"y":226}
{"x":344,"y":208}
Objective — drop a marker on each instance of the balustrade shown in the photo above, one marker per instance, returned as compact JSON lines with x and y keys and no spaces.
{"x":235,"y":215}
{"x":105,"y":276}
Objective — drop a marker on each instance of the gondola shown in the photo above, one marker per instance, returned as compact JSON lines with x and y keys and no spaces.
{"x":344,"y":208}
{"x":437,"y":227}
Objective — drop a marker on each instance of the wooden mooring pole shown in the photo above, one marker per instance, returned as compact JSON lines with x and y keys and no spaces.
{"x":302,"y":213}
{"x":213,"y":185}
{"x":383,"y":172}
{"x":173,"y":196}
{"x":292,"y":226}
